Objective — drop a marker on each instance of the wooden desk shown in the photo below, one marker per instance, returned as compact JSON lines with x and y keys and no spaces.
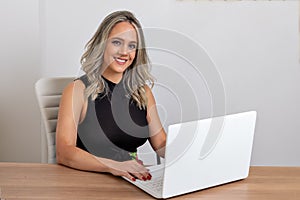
{"x":47,"y":181}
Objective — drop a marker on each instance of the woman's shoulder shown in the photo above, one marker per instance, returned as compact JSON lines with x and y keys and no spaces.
{"x":75,"y":87}
{"x":147,"y":90}
{"x":83,"y":80}
{"x":149,"y":94}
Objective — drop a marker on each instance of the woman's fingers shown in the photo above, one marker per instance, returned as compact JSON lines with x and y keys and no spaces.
{"x":140,"y":171}
{"x":142,"y":177}
{"x":129,"y":176}
{"x":131,"y":170}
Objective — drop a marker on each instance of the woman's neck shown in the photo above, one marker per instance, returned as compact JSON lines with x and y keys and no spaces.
{"x":113,"y":77}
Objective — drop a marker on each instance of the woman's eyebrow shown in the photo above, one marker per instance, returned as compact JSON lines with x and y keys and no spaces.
{"x":133,"y":41}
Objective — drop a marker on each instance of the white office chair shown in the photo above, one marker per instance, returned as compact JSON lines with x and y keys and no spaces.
{"x":48,"y":92}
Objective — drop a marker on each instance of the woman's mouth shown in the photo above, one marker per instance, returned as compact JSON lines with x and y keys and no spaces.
{"x":120,"y":61}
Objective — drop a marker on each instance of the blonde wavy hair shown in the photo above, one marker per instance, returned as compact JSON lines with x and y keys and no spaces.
{"x":135,"y":77}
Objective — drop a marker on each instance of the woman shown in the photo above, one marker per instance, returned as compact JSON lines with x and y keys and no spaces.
{"x":110,"y":111}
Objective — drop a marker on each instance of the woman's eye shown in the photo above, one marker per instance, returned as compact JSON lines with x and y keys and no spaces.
{"x":132,"y":46}
{"x":116,"y":43}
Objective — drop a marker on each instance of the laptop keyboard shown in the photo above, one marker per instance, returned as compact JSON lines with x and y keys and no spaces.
{"x":155,"y":184}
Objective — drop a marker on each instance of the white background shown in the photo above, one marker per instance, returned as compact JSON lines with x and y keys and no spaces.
{"x":254,"y":45}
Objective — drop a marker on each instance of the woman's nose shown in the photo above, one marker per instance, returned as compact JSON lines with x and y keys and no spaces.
{"x":123,"y":50}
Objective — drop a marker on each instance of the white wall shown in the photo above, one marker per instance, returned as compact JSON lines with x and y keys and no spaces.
{"x":254,"y":45}
{"x":20,"y":68}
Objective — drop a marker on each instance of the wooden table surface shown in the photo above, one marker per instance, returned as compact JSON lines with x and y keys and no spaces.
{"x":50,"y":181}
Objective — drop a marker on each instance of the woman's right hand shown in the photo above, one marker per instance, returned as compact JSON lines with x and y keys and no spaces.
{"x":130,"y":169}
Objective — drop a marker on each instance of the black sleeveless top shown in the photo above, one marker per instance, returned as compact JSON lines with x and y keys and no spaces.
{"x":113,"y":126}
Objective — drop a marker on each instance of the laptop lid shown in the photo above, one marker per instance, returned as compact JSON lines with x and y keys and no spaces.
{"x":205,"y":153}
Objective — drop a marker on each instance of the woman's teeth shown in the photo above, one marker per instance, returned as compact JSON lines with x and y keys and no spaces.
{"x":120,"y":60}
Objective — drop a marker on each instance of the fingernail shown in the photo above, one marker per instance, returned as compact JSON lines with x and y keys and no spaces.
{"x":133,"y":179}
{"x":144,"y":178}
{"x":140,"y":162}
{"x":149,"y":177}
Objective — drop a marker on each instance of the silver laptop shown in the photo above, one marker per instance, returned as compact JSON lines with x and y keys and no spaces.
{"x":201,"y":154}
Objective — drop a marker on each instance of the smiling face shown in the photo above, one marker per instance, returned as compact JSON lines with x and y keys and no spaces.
{"x":120,"y":50}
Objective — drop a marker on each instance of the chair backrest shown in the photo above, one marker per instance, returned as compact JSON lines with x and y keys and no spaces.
{"x":48,"y":92}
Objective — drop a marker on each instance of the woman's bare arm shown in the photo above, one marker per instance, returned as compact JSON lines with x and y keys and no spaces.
{"x":157,"y":132}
